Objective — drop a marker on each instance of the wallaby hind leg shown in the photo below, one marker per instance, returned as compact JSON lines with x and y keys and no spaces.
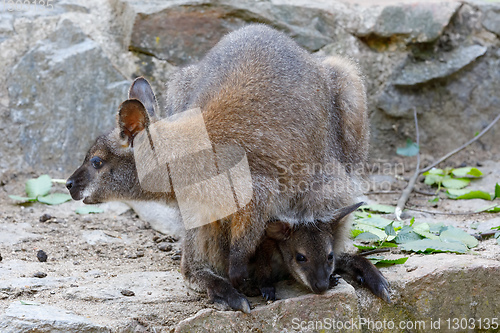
{"x":365,"y":273}
{"x":201,"y":277}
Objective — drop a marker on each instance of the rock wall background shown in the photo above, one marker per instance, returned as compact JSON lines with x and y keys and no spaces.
{"x":67,"y":68}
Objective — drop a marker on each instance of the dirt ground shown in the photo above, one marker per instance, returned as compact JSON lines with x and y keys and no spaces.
{"x":94,"y":259}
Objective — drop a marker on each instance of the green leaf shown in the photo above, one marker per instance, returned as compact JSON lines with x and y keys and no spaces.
{"x":376,"y":260}
{"x":39,"y":186}
{"x":495,"y":228}
{"x":386,"y":209}
{"x":375,"y":221}
{"x":436,"y":228}
{"x":365,"y":247}
{"x":466,"y":171}
{"x":22,"y":199}
{"x":367,"y":237}
{"x":497,"y":190}
{"x":436,"y":199}
{"x":28,"y":303}
{"x":452,"y":234}
{"x":433,"y":245}
{"x":370,"y":228}
{"x":455,"y":183}
{"x":434,"y":171}
{"x":89,"y":210}
{"x":406,"y":234}
{"x":55,"y":198}
{"x":468,"y":194}
{"x":355,"y":233}
{"x":411,"y":149}
{"x":423,"y":230}
{"x":433,"y":179}
{"x":389,"y":229}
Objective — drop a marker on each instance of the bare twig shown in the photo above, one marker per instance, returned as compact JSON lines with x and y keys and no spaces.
{"x":443,"y":213}
{"x":463,"y":146}
{"x":380,"y":192}
{"x":411,"y":183}
{"x":367,"y":253}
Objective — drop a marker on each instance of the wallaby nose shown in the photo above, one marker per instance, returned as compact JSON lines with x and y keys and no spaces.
{"x":321,"y":286}
{"x":69,"y":184}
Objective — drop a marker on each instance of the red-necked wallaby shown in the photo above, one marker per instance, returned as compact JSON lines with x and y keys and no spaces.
{"x":301,"y":120}
{"x":307,"y":252}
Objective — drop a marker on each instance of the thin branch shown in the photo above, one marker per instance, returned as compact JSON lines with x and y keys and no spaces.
{"x":367,"y":253}
{"x":463,"y":146}
{"x":443,"y":213}
{"x":411,"y":183}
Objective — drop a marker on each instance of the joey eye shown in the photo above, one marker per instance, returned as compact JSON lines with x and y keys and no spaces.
{"x":97,"y":162}
{"x":330,"y":257}
{"x":300,"y":258}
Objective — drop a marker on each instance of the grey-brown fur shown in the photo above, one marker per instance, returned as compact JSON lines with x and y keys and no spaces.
{"x":257,"y":89}
{"x":306,"y":252}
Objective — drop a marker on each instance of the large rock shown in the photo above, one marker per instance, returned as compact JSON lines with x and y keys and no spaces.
{"x":292,"y":314}
{"x":63,"y":93}
{"x":422,"y":72}
{"x":21,"y":318}
{"x":415,"y":22}
{"x":468,"y":286}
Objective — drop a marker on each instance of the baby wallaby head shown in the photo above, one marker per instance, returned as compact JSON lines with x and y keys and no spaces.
{"x":308,"y":249}
{"x":108,"y":171}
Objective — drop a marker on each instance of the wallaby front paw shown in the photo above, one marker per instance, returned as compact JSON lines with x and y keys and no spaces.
{"x":268,"y":293}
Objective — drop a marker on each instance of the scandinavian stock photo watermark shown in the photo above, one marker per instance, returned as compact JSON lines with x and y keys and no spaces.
{"x":368,"y":324}
{"x":211,"y":182}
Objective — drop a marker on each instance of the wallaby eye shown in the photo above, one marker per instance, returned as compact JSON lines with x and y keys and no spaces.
{"x":300,"y":258}
{"x":96,"y":162}
{"x":330,"y":257}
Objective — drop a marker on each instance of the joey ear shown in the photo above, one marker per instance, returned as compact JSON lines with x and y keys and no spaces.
{"x":344,"y":211}
{"x":132,"y":119}
{"x":278,"y":230}
{"x":333,"y":223}
{"x":142,"y":91}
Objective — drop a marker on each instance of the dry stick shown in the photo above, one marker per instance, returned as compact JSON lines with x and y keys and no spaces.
{"x":463,"y":146}
{"x":411,"y":183}
{"x":367,"y":253}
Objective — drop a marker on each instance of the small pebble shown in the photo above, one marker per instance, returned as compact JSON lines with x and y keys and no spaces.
{"x":40,"y":275}
{"x":41,"y":255}
{"x":169,"y":239}
{"x":45,"y":217}
{"x":176,"y":257}
{"x":140,"y":254}
{"x":126,"y":292}
{"x":164,"y":246}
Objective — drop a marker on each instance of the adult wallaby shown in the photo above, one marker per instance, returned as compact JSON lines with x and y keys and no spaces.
{"x":301,"y":120}
{"x":309,"y":253}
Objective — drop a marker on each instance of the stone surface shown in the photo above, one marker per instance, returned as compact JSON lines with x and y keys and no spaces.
{"x":291,"y":314}
{"x":21,"y":318}
{"x":416,"y":22}
{"x":63,"y":93}
{"x":492,"y":21}
{"x":417,"y":73}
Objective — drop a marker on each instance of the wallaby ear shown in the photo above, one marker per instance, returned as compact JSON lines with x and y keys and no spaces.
{"x":132,"y":118}
{"x":278,"y":230}
{"x":333,"y":222}
{"x":339,"y":214}
{"x":142,"y":91}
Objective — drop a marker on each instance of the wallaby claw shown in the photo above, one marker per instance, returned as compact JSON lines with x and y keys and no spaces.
{"x":268,"y":293}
